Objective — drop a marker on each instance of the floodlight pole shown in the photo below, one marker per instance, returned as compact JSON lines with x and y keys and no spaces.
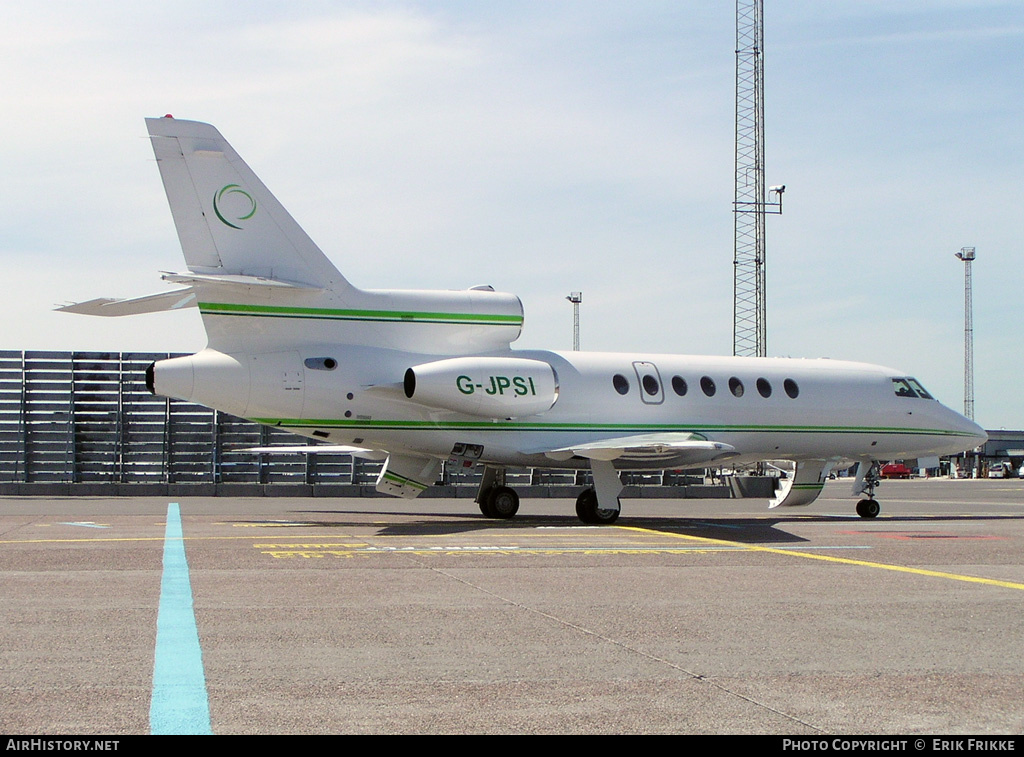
{"x":967,"y":255}
{"x":575,"y":298}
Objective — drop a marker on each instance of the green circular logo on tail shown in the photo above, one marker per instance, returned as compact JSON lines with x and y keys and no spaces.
{"x":236,"y":203}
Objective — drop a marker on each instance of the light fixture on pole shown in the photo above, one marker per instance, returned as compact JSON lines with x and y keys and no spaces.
{"x":575,"y":298}
{"x":966,"y":254}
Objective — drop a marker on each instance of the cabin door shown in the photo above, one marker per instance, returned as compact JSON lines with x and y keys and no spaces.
{"x":647,"y":376}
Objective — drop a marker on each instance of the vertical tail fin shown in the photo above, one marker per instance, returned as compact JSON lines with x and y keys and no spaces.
{"x":263,"y":286}
{"x":228,"y":222}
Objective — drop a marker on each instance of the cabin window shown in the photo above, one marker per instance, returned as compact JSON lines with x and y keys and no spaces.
{"x":621,"y":383}
{"x":650,"y":384}
{"x":707,"y":386}
{"x":791,"y":388}
{"x":764,"y":388}
{"x":679,"y":385}
{"x":736,"y":387}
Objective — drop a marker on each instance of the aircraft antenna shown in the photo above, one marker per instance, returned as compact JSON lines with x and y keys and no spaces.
{"x":749,"y":200}
{"x":966,"y":254}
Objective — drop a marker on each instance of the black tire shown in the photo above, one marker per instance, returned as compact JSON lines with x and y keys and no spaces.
{"x":588,"y":511}
{"x":485,"y":504}
{"x":503,"y":502}
{"x":868,"y":508}
{"x":586,"y":505}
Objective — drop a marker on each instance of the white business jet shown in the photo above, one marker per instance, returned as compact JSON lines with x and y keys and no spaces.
{"x":414,"y":378}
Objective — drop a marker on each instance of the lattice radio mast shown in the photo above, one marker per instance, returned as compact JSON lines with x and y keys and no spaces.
{"x":749,"y":200}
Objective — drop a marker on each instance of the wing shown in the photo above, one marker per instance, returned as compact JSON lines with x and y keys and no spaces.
{"x":668,"y":450}
{"x":322,"y":449}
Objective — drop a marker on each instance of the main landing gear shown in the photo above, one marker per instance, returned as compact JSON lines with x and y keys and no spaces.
{"x":868,"y":508}
{"x":588,"y":511}
{"x":499,"y":502}
{"x":502,"y":503}
{"x":496,"y":500}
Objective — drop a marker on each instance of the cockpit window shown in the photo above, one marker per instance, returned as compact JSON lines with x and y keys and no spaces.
{"x":902,"y":388}
{"x":919,"y":389}
{"x":908,"y":387}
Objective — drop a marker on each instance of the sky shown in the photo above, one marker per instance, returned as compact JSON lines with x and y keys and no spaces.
{"x":544,"y":147}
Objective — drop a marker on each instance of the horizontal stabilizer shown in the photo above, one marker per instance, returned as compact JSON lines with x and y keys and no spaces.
{"x":150,"y":303}
{"x":234,"y":280}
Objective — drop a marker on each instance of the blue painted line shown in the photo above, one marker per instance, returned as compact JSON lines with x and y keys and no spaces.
{"x":179,"y":703}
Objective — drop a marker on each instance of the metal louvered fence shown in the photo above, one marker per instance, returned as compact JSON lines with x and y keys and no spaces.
{"x":84,"y":422}
{"x":87,"y":417}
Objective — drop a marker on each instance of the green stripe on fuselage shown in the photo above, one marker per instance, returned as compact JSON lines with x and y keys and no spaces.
{"x":343,"y":314}
{"x":622,"y":428}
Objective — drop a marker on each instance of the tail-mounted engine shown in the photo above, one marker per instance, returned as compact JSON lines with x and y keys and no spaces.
{"x":488,"y":387}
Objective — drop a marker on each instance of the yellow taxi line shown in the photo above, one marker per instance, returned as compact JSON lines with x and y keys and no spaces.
{"x":829,"y":558}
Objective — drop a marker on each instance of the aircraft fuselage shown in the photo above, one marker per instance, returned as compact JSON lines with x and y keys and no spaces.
{"x":764,"y":408}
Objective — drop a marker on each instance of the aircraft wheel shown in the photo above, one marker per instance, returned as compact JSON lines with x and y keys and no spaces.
{"x":586,"y":505}
{"x":504,"y":502}
{"x":868,"y":508}
{"x":588,"y":511}
{"x":485,"y":504}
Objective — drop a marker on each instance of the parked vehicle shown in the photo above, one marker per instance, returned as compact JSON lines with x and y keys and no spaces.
{"x":896,"y":470}
{"x":1000,"y":470}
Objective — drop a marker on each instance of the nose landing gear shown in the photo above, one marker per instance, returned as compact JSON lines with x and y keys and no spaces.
{"x":868,"y":508}
{"x":866,"y":482}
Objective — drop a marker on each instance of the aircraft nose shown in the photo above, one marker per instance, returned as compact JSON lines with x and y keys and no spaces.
{"x":974,"y":435}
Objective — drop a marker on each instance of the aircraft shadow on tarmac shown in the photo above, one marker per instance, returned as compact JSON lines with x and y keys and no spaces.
{"x":735,"y":529}
{"x":742,"y":530}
